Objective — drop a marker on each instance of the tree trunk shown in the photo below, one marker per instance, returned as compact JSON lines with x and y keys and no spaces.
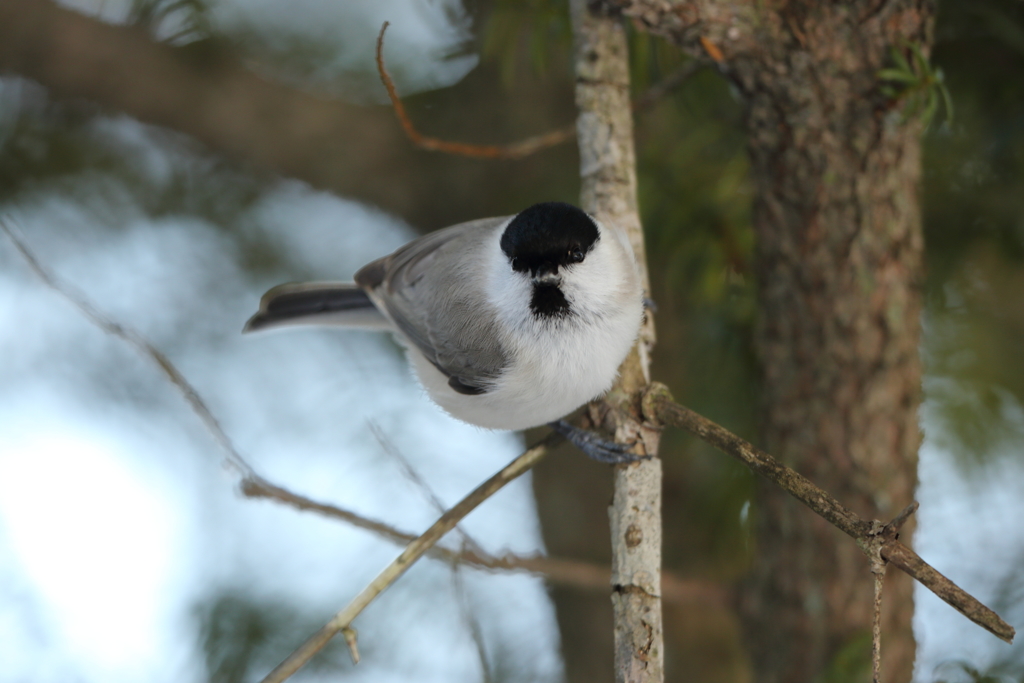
{"x":608,"y":192}
{"x":838,"y":265}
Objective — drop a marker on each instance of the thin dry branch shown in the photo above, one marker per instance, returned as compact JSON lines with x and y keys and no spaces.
{"x":233,"y":458}
{"x":530,"y":145}
{"x":343,"y":619}
{"x":572,"y":573}
{"x":659,"y":407}
{"x":514,"y":151}
{"x":876,"y":628}
{"x":412,"y":475}
{"x":469,"y":618}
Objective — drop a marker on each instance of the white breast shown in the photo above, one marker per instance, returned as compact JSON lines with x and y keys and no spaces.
{"x":559,"y":363}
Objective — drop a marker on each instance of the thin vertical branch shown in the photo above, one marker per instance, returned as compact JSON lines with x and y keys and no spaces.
{"x":468,"y":546}
{"x":608,"y":192}
{"x":876,"y":628}
{"x":476,"y":632}
{"x":468,"y":543}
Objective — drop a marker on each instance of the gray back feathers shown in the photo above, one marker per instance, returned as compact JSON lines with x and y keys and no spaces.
{"x":436,"y":297}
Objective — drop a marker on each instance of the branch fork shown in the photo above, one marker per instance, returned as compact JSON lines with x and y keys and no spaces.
{"x":870,"y":536}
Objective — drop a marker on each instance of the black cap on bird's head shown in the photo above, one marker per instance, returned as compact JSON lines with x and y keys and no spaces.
{"x":545,"y":237}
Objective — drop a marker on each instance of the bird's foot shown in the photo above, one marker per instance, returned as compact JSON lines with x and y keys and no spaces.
{"x":594,"y":446}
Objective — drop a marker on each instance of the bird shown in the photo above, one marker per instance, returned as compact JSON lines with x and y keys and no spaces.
{"x":509,"y":323}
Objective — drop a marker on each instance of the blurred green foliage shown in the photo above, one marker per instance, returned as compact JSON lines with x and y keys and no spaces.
{"x":921,"y":86}
{"x":852,"y":663}
{"x":964,"y":672}
{"x":536,"y":32}
{"x":243,"y":637}
{"x":973,"y":208}
{"x":174,"y":21}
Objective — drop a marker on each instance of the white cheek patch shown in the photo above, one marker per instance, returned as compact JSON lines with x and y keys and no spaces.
{"x":606,"y":283}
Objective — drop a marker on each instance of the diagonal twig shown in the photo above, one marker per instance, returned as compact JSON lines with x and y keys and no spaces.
{"x":233,"y":458}
{"x":468,"y":543}
{"x":412,"y":475}
{"x":343,"y":619}
{"x":659,"y":408}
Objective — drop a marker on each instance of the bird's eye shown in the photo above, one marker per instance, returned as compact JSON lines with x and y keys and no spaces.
{"x":575,"y":255}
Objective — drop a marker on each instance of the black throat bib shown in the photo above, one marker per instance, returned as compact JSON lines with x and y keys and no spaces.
{"x":548,"y":301}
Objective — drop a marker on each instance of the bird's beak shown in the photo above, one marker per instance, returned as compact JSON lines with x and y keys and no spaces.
{"x":547,"y":279}
{"x":546,"y":274}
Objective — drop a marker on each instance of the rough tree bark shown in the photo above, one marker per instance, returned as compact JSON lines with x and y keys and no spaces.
{"x":838,"y":262}
{"x":608,"y":191}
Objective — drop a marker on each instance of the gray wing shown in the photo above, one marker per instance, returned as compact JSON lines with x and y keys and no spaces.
{"x":432,"y":288}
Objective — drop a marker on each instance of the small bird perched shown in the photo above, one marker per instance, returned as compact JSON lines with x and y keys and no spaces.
{"x":509,"y":322}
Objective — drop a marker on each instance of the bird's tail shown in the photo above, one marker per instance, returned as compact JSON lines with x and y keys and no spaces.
{"x":317,"y":303}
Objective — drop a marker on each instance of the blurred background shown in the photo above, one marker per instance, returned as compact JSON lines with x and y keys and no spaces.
{"x":125,"y":551}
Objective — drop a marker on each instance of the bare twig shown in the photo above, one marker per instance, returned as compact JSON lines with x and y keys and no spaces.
{"x":352,"y":640}
{"x":899,"y":520}
{"x":408,"y":470}
{"x":232,"y":457}
{"x":876,"y":628}
{"x":412,"y":552}
{"x":873,"y":547}
{"x":468,"y":543}
{"x":258,"y":487}
{"x":472,"y":623}
{"x":572,"y":573}
{"x":513,"y":151}
{"x":660,"y":408}
{"x":712,"y":50}
{"x":412,"y":475}
{"x":530,"y":145}
{"x":911,"y":563}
